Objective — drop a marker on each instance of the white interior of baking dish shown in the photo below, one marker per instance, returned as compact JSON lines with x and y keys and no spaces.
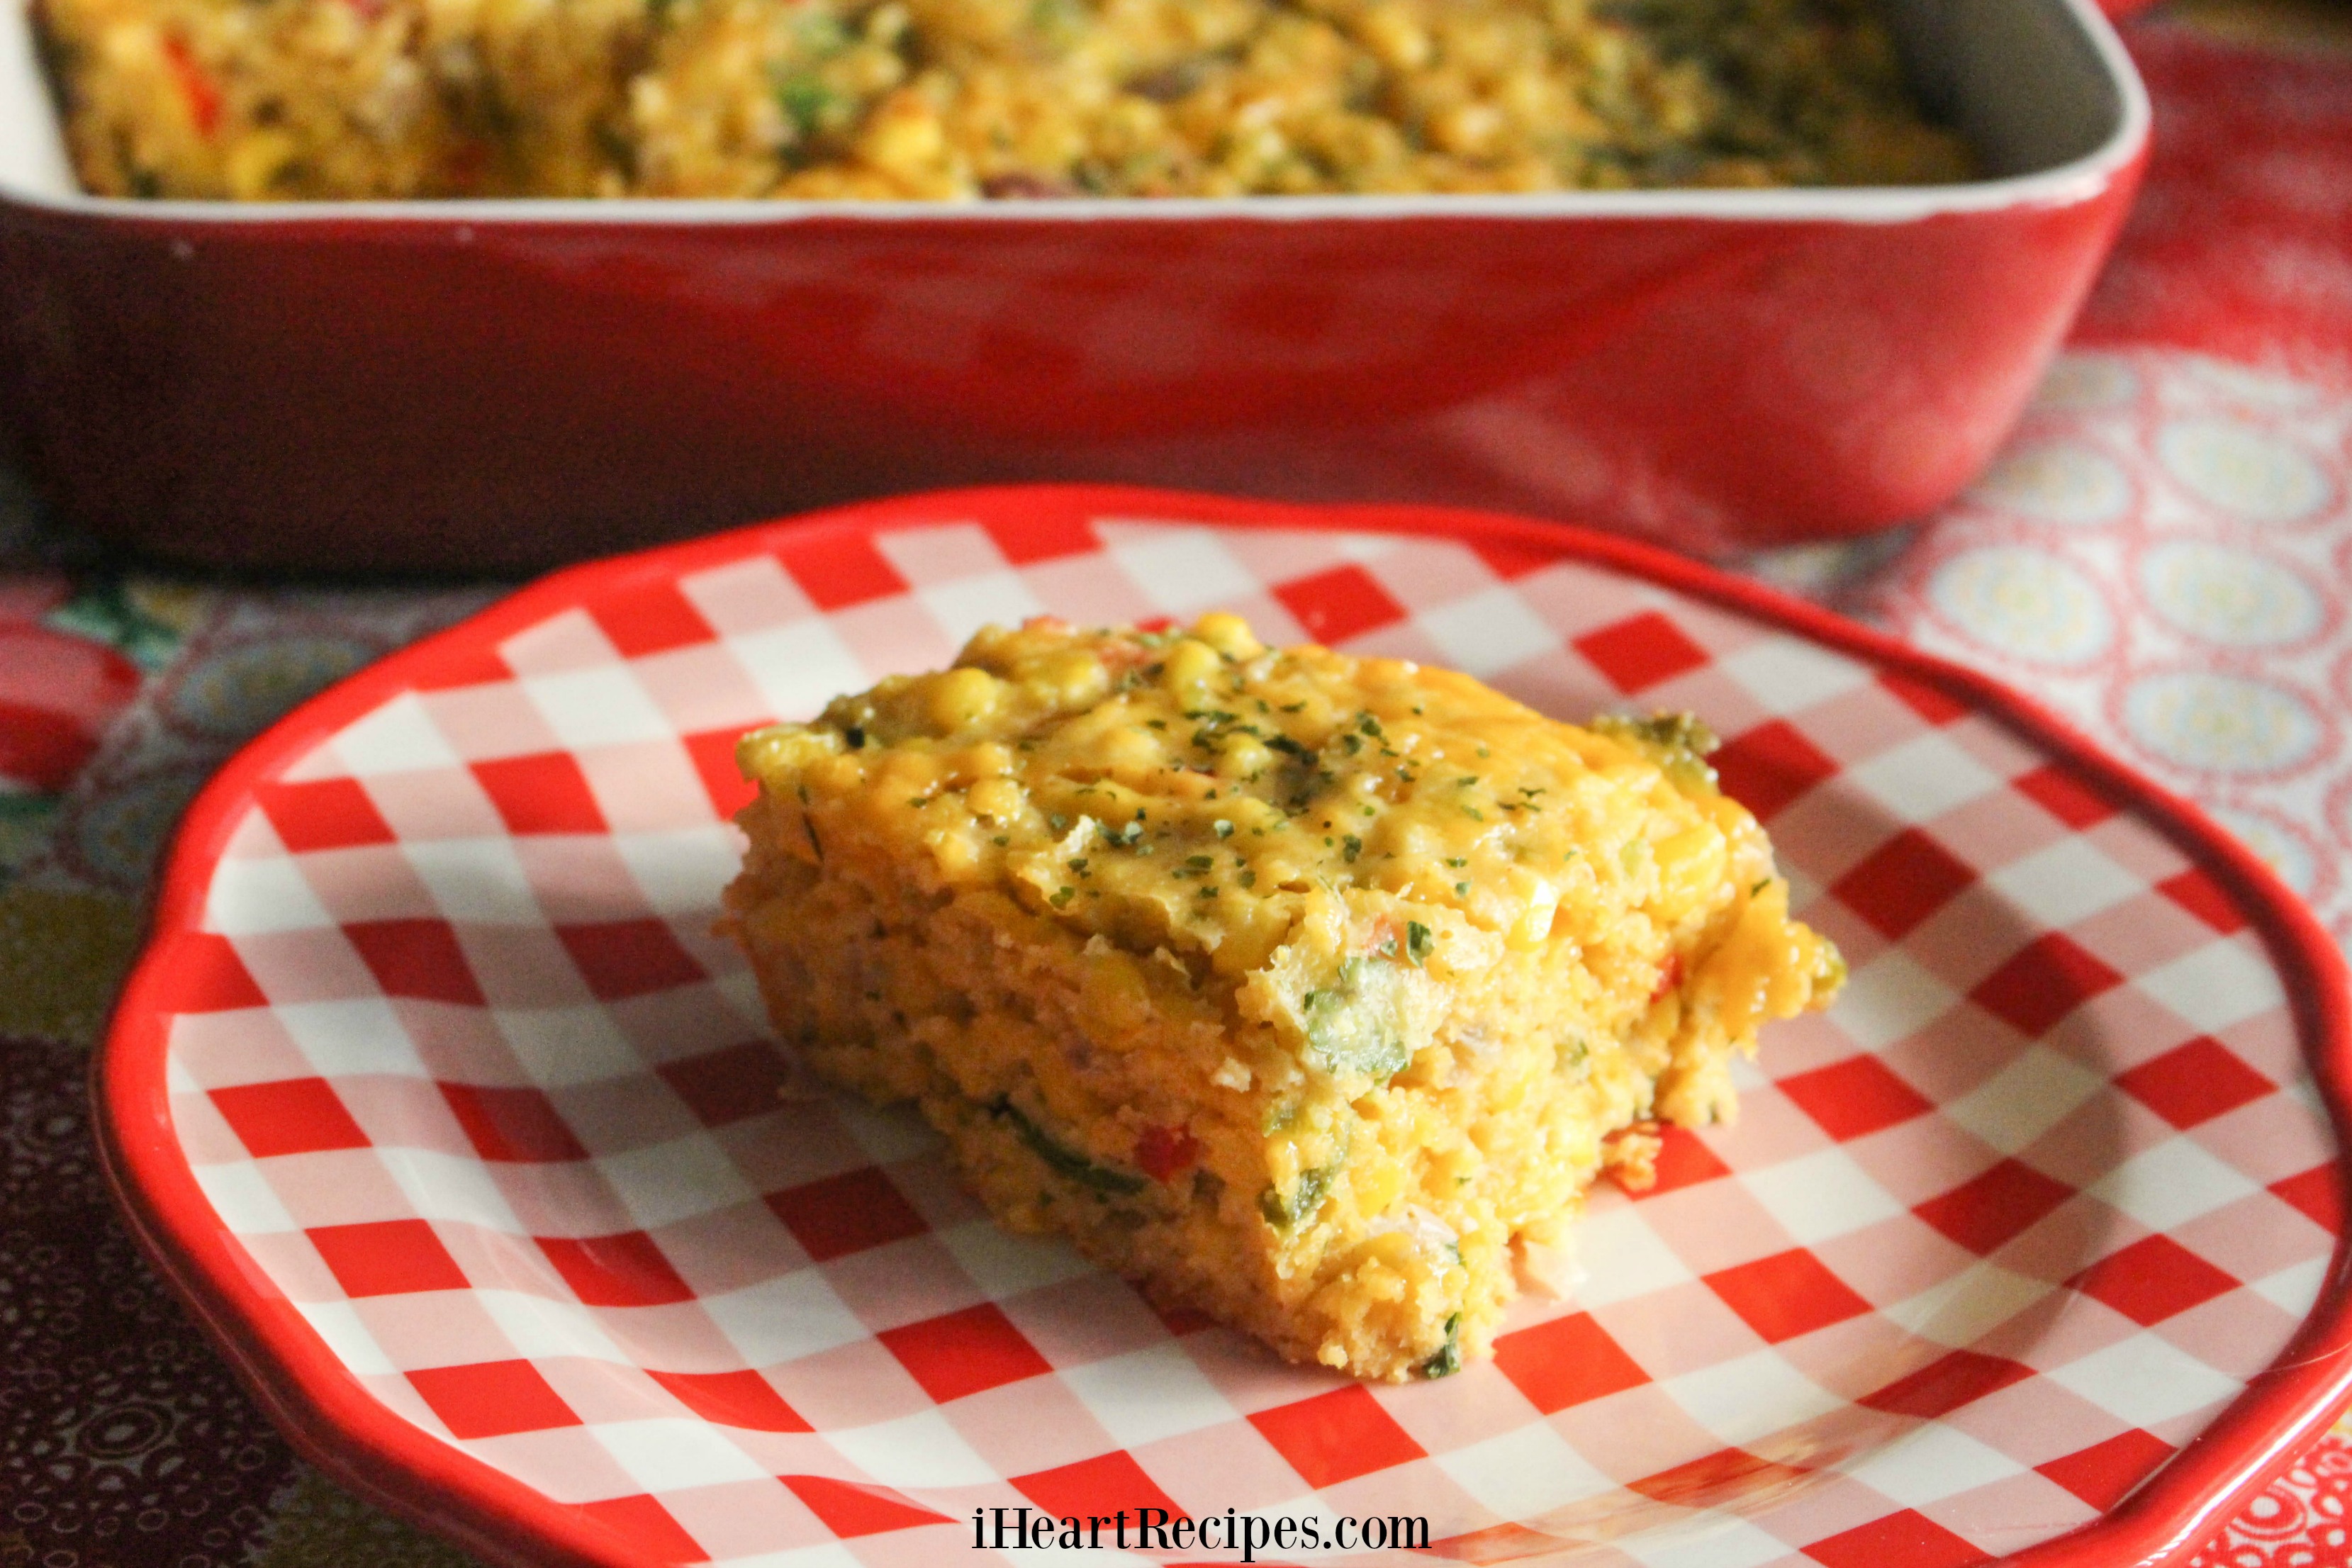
{"x":2043,"y":88}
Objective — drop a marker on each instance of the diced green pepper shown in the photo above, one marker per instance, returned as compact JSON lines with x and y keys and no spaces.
{"x":1357,"y":1023}
{"x":1065,"y":1163}
{"x":806,"y":101}
{"x":1446,"y":1359}
{"x":1677,"y":743}
{"x":1305,"y":1197}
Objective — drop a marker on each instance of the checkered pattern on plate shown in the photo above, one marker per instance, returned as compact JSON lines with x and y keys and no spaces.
{"x":462,"y":1068}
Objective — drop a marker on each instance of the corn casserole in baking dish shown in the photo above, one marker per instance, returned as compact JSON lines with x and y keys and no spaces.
{"x":1311,"y":992}
{"x":959,"y":99}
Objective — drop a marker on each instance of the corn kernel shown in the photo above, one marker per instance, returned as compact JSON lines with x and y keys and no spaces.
{"x":1690,"y":865}
{"x":1395,"y":37}
{"x":1467,"y":130}
{"x":962,"y":697}
{"x":1533,"y":928}
{"x":1229,"y":635}
{"x":1076,"y":678}
{"x":1189,"y":663}
{"x":1380,"y":1184}
{"x":902,"y":136}
{"x":956,"y":850}
{"x":254,"y":165}
{"x":996,"y":800}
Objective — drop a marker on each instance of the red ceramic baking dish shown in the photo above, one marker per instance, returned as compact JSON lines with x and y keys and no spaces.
{"x":497,"y":384}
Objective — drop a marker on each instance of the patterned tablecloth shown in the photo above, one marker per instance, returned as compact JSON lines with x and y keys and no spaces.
{"x":2162,"y":553}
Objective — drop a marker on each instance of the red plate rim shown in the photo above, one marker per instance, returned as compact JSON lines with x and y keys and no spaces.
{"x":336,"y":1425}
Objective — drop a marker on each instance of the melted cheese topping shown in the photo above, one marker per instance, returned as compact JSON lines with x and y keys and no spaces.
{"x":1297,"y":808}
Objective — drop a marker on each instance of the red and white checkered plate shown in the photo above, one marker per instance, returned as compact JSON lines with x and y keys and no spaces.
{"x":437,"y":1096}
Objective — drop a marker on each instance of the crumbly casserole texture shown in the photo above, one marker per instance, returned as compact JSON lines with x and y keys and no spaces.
{"x":1310,"y":992}
{"x":948,"y":99}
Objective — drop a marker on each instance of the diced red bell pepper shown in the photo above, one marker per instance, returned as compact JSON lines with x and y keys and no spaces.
{"x":1670,"y":975}
{"x":196,"y":86}
{"x":1166,"y":1152}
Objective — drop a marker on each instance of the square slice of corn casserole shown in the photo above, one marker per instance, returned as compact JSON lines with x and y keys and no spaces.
{"x":1310,"y":992}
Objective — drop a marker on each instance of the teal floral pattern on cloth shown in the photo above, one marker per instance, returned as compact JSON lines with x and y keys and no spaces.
{"x":243,"y":661}
{"x":2199,"y":627}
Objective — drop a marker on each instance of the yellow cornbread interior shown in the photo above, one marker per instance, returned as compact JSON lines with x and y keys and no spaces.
{"x":1303,"y":990}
